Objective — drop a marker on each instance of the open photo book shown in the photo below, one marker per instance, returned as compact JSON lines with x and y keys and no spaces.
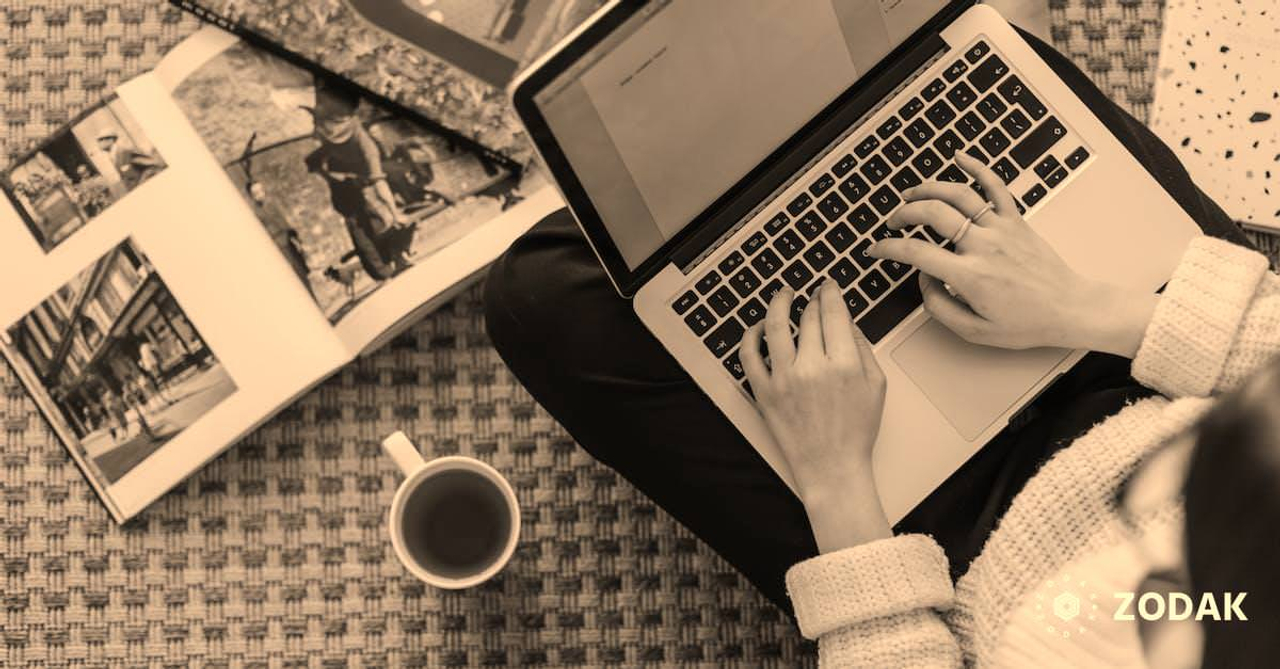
{"x":220,"y":234}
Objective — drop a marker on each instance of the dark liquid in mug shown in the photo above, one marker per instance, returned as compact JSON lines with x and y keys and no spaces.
{"x":456,"y":524}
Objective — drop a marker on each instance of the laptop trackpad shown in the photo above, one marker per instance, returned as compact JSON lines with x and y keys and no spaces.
{"x":970,"y":384}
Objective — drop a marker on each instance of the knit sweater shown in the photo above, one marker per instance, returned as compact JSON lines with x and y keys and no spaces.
{"x":891,"y":603}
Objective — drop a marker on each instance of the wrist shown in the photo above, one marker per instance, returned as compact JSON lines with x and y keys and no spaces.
{"x":1119,"y":318}
{"x":847,"y":512}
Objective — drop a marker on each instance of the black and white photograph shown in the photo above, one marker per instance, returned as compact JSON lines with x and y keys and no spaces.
{"x":97,"y":159}
{"x":115,"y":358}
{"x":351,"y":195}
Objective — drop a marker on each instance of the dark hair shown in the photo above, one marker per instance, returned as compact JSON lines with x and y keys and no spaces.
{"x":1233,"y":520}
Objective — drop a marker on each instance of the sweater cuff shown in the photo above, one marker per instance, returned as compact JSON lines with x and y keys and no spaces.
{"x":882,"y":578}
{"x":1191,"y":333}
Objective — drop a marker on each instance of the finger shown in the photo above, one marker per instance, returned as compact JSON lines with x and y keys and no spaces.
{"x":959,"y":196}
{"x":867,"y":357}
{"x":837,"y":327}
{"x":811,"y":344}
{"x":939,"y":215}
{"x":949,"y":310}
{"x":777,"y":329}
{"x":752,"y":362}
{"x":997,"y":193}
{"x":928,"y":258}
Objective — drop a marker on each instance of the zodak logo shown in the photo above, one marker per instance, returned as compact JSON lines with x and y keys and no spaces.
{"x":1069,"y":607}
{"x":1180,"y":606}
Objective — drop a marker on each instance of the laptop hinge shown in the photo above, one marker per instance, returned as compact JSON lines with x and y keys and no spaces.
{"x":811,"y":149}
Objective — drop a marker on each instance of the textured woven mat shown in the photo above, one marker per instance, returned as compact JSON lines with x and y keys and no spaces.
{"x":274,"y":555}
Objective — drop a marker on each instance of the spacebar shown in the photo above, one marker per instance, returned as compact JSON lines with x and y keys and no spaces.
{"x":895,"y":307}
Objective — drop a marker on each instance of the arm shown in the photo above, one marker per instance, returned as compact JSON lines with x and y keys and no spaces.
{"x":373,"y":161}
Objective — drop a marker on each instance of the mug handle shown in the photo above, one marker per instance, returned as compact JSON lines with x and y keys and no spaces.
{"x":403,"y":452}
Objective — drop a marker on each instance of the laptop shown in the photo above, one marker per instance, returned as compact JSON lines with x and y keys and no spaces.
{"x":714,"y":152}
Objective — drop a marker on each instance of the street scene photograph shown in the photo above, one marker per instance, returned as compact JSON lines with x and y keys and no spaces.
{"x":117,"y":362}
{"x":351,"y":195}
{"x":96,"y":160}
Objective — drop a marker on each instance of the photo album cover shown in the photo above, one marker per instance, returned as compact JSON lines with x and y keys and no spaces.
{"x":217,"y":236}
{"x":449,"y":60}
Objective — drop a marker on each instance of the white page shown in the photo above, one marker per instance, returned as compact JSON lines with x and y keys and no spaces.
{"x":266,"y":338}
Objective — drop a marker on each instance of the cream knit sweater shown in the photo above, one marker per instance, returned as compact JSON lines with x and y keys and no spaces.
{"x":891,"y":603}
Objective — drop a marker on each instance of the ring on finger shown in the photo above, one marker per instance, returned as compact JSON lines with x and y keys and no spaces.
{"x":968,"y":223}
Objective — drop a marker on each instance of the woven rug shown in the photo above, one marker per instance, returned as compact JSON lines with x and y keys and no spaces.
{"x":275,"y":554}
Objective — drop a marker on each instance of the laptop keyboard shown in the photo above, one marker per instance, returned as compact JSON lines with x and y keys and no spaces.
{"x":976,"y":104}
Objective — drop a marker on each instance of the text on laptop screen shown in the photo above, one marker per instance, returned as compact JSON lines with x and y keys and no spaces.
{"x":677,"y":105}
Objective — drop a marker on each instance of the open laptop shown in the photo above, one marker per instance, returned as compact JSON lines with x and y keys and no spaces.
{"x":713,"y":152}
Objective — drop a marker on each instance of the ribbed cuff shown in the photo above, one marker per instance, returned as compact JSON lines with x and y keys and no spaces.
{"x":882,"y":578}
{"x":1187,"y":343}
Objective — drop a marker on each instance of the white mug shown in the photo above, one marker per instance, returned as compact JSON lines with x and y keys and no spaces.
{"x":420,"y":475}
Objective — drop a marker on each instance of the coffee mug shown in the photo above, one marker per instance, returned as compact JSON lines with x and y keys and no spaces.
{"x":454,"y":521}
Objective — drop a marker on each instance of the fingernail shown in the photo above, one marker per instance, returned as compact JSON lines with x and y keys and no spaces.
{"x":871,"y":250}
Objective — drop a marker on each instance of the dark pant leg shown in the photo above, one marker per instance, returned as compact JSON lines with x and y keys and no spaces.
{"x":583,"y":354}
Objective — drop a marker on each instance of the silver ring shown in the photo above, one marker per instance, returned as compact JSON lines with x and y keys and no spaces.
{"x":983,"y":212}
{"x":968,"y":223}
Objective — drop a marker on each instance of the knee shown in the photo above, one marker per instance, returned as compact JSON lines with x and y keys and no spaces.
{"x":527,"y":282}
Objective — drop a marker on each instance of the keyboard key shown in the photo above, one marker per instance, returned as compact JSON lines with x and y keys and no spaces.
{"x":940,"y":114}
{"x":1016,"y":123}
{"x":909,"y":110}
{"x":854,"y":188}
{"x":1077,"y":158}
{"x":886,"y":129}
{"x":977,"y":154}
{"x":919,"y":132}
{"x":1056,"y":178}
{"x":991,"y":108}
{"x":700,"y":320}
{"x":988,"y":74}
{"x":855,"y":302}
{"x":797,"y":308}
{"x":1037,"y":142}
{"x":778,"y":223}
{"x":734,"y":365}
{"x":753,"y":311}
{"x":841,"y":237}
{"x":875,"y":170}
{"x":754,"y":243}
{"x":970,"y":126}
{"x":844,"y":165}
{"x":933,"y":90}
{"x":977,"y":188}
{"x":797,"y":275}
{"x":767,"y":263}
{"x":723,"y":301}
{"x":977,"y":51}
{"x":1035,"y":195}
{"x":904,"y":179}
{"x":898,"y":151}
{"x":843,"y":273}
{"x":770,"y":289}
{"x":954,"y":175}
{"x":1016,"y":93}
{"x":867,"y":147}
{"x":1047,"y":166}
{"x":874,"y":284}
{"x":725,"y":338}
{"x":788,"y":244}
{"x":994,"y":142}
{"x":883,"y":232}
{"x":927,"y":163}
{"x":810,"y":225}
{"x":894,"y":269}
{"x":884,"y":200}
{"x":956,"y":70}
{"x":706,"y":283}
{"x":891,"y":311}
{"x":745,"y":282}
{"x":819,"y":256}
{"x":961,"y":96}
{"x":799,"y":204}
{"x":685,"y":302}
{"x":833,"y":206}
{"x":863,"y":218}
{"x":860,"y":254}
{"x":947,"y":144}
{"x":933,"y":235}
{"x":822,"y":185}
{"x":731,"y":262}
{"x":1005,"y":170}
{"x":1021,"y":209}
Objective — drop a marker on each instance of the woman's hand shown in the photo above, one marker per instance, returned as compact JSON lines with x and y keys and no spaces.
{"x":1007,"y":286}
{"x":822,"y":400}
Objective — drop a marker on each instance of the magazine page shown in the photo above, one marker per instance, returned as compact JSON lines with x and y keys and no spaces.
{"x":149,"y":315}
{"x":375,"y":214}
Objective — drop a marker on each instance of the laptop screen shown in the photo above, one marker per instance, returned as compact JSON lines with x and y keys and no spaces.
{"x":686,"y":97}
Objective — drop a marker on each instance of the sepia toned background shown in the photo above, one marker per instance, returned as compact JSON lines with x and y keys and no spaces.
{"x":276,"y":555}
